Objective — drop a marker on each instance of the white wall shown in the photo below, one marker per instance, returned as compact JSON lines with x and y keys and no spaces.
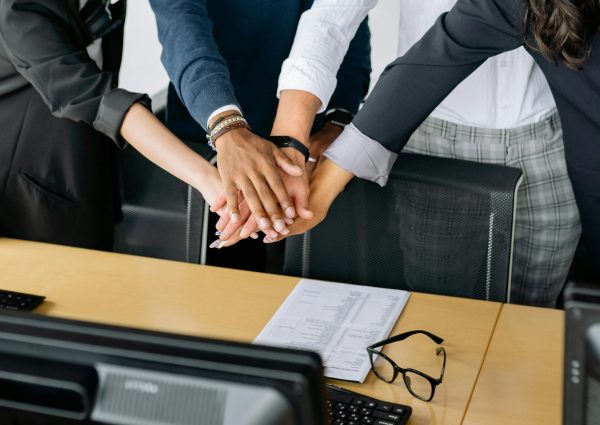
{"x":142,"y":70}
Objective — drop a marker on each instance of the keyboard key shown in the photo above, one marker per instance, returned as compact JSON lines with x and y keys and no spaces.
{"x":367,"y":421}
{"x":358,"y":402}
{"x":394,"y":417}
{"x":385,"y":407}
{"x":371,"y":405}
{"x":383,"y":422}
{"x":365,"y":411}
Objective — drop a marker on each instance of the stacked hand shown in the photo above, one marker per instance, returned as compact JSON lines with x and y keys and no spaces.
{"x":245,"y":161}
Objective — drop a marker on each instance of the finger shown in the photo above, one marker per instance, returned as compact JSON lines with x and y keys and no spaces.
{"x":219,"y":203}
{"x":255,"y":205}
{"x":283,"y":198}
{"x":231,"y":193}
{"x":301,"y":196}
{"x":270,"y":204}
{"x":249,"y":228}
{"x":232,"y":228}
{"x":222,"y":223}
{"x":286,"y":164}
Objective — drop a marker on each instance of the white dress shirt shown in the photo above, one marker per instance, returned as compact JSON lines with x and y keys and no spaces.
{"x":508,"y":91}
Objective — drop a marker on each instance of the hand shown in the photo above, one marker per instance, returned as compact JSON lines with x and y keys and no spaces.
{"x":298,"y":189}
{"x":320,"y":141}
{"x":250,"y":163}
{"x":327,"y":183}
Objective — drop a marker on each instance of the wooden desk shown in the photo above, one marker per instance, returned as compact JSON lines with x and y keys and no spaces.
{"x":521,"y":381}
{"x":230,"y":304}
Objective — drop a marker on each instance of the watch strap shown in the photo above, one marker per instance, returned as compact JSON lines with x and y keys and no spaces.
{"x":290,"y":142}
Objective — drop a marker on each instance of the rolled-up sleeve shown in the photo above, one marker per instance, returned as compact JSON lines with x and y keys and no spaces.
{"x":41,"y":45}
{"x":322,"y":40}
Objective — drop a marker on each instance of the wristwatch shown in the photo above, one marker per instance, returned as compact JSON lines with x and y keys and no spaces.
{"x":339,"y":117}
{"x":290,"y":142}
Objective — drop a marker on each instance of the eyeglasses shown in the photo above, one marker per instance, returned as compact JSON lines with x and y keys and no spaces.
{"x":418,"y":383}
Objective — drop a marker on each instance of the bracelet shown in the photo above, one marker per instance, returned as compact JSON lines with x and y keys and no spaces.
{"x":225,"y":126}
{"x":221,"y":119}
{"x":290,"y":142}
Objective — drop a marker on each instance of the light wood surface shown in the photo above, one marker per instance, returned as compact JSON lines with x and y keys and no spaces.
{"x":229,"y":304}
{"x":521,"y":381}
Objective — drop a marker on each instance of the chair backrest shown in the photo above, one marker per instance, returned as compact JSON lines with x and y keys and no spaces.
{"x":440,"y":226}
{"x":162,"y":216}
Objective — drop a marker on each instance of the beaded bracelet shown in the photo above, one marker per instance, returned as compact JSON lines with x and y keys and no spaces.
{"x":224,"y":127}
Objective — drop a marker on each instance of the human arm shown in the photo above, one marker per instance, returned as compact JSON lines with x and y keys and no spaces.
{"x":413,"y":85}
{"x":201,"y":77}
{"x":40,"y":42}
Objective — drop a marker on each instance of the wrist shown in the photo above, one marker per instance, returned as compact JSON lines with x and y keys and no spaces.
{"x":329,"y":180}
{"x":231,"y":137}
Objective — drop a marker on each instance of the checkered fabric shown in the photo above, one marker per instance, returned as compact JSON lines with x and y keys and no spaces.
{"x":547,"y":227}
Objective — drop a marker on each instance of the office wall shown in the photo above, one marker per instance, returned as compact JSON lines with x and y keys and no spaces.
{"x":143,"y":72}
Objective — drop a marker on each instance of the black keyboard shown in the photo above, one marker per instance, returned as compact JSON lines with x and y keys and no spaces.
{"x":350,"y":408}
{"x":19,"y":302}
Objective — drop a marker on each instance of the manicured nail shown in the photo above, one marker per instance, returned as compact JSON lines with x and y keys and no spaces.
{"x":235,"y":217}
{"x":215,"y":244}
{"x":267,"y":240}
{"x":222,"y":244}
{"x":290,"y":212}
{"x":272,"y":234}
{"x":288,"y":221}
{"x":264,"y":223}
{"x":224,"y":236}
{"x":254,"y":235}
{"x":217,"y":233}
{"x":279,"y":225}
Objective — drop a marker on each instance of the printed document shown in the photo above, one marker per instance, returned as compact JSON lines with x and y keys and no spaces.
{"x":336,"y":320}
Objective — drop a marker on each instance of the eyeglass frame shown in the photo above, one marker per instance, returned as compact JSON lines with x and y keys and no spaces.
{"x":397,"y":369}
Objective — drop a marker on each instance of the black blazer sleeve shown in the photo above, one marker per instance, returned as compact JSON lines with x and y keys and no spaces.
{"x":44,"y":41}
{"x":412,"y":86}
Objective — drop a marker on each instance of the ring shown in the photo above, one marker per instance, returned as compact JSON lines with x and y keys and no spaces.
{"x":312,"y":159}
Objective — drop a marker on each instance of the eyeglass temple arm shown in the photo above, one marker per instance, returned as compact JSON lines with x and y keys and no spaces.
{"x":405,"y":335}
{"x":438,"y":351}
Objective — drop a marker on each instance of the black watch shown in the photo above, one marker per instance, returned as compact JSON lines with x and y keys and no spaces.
{"x":290,"y":142}
{"x":339,"y":117}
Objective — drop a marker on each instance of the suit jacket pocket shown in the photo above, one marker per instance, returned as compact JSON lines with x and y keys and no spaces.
{"x":49,"y":189}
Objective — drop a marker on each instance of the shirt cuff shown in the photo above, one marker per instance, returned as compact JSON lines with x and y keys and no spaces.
{"x":113,"y":107}
{"x":362,"y":156}
{"x":221,"y":110}
{"x":307,"y":75}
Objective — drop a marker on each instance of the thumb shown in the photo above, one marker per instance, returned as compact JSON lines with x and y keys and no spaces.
{"x":301,"y":202}
{"x":286,"y":164}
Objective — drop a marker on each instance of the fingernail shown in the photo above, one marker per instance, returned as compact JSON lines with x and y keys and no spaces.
{"x":272,"y":234}
{"x":254,"y":235}
{"x":215,"y":244}
{"x":267,"y":240}
{"x":235,"y":217}
{"x":264,"y":223}
{"x":224,"y":236}
{"x":217,"y":233}
{"x":222,"y":244}
{"x":289,"y":221}
{"x":244,"y":233}
{"x":279,"y":225}
{"x":290,"y":212}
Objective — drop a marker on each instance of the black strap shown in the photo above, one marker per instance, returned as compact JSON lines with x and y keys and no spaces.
{"x":290,"y":142}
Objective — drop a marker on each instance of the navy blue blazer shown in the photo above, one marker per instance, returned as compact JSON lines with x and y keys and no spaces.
{"x":220,"y":52}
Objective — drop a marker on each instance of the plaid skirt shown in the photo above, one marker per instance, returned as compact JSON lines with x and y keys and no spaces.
{"x":547,"y":226}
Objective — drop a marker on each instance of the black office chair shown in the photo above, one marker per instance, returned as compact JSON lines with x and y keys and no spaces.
{"x":440,"y":226}
{"x":162,"y":216}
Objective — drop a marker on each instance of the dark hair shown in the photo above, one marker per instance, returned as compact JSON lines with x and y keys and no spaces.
{"x":562,"y":30}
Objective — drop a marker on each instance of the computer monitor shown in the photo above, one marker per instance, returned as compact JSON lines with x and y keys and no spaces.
{"x":56,"y":371}
{"x":582,"y":355}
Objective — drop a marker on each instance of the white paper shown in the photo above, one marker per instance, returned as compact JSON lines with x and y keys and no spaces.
{"x":336,"y":320}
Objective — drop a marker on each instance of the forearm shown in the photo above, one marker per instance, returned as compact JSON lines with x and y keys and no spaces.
{"x":296,"y":114}
{"x":146,"y":134}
